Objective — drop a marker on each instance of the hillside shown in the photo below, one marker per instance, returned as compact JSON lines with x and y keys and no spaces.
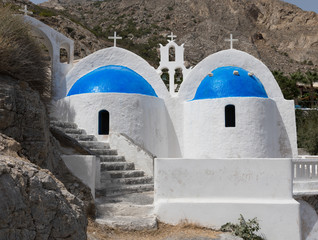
{"x":282,"y":35}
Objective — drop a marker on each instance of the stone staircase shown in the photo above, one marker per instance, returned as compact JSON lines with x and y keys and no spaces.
{"x":117,"y":176}
{"x":120,"y":198}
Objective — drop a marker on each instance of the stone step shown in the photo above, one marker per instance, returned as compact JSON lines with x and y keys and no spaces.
{"x":124,"y":189}
{"x":111,"y":158}
{"x":61,"y":124}
{"x":73,"y":131}
{"x":82,"y":137}
{"x":125,"y":174}
{"x":130,"y":181}
{"x":95,"y":144}
{"x":132,"y":211}
{"x":129,"y":223}
{"x":110,"y":166}
{"x":104,"y":151}
{"x":123,"y":209}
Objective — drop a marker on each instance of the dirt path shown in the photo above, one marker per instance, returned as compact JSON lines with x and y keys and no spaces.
{"x":164,"y":232}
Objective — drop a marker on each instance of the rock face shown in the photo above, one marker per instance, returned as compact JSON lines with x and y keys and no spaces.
{"x":280,"y":34}
{"x":33,"y":203}
{"x":23,"y":117}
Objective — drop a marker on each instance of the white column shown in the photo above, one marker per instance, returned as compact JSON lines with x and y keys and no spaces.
{"x":171,"y":81}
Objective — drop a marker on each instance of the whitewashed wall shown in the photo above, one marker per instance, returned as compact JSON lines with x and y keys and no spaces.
{"x":142,"y":118}
{"x":84,"y":167}
{"x":286,"y":112}
{"x":255,"y":135}
{"x":54,"y":40}
{"x":212,"y":192}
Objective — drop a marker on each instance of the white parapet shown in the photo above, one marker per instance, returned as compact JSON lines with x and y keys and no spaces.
{"x":133,"y":152}
{"x":84,"y":167}
{"x":212,"y":192}
{"x":306,"y":175}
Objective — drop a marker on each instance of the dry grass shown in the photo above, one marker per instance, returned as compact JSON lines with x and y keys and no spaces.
{"x":164,"y":231}
{"x":20,"y":56}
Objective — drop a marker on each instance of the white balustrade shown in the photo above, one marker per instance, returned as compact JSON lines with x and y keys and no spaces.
{"x":306,"y":168}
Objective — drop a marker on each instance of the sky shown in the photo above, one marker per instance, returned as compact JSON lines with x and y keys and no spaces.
{"x":307,"y":5}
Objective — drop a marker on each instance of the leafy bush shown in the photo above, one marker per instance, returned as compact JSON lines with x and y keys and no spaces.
{"x":307,"y":130}
{"x":245,"y":229}
{"x":21,"y":57}
{"x":44,"y":12}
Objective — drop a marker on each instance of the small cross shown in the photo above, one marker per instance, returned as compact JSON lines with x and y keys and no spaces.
{"x":25,"y":10}
{"x":172,"y":36}
{"x":115,"y":38}
{"x":231,"y":40}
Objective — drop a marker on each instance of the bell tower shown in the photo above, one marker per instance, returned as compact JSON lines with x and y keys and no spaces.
{"x":172,"y":62}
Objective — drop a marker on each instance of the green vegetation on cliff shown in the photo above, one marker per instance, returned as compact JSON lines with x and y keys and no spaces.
{"x":20,"y":54}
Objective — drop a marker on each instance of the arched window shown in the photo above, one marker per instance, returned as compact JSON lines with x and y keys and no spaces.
{"x":178,"y":78}
{"x":103,"y":122}
{"x":229,"y":116}
{"x":64,"y":56}
{"x":172,"y":54}
{"x":165,"y":77}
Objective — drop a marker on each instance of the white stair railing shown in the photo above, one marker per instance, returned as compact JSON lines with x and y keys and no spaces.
{"x":306,"y":168}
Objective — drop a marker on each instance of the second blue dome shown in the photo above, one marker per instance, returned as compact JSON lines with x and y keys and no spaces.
{"x":112,"y":78}
{"x":230,"y":82}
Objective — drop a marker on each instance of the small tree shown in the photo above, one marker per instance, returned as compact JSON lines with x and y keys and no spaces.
{"x":307,"y":130}
{"x":309,"y":78}
{"x":288,"y":84}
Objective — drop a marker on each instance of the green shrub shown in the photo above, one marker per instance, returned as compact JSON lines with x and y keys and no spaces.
{"x":245,"y":229}
{"x":44,"y":12}
{"x":307,"y":130}
{"x":21,"y":57}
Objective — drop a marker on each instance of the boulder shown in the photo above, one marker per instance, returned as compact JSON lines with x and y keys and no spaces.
{"x":35,"y":205}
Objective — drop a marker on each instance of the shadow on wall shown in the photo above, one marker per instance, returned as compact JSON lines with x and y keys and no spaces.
{"x":174,"y":150}
{"x":285,"y":148}
{"x":63,"y":111}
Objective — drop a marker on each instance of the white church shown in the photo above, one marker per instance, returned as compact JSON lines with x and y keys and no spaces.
{"x":224,"y":143}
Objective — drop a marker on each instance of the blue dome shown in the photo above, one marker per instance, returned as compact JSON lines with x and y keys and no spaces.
{"x":224,"y":83}
{"x":112,"y":78}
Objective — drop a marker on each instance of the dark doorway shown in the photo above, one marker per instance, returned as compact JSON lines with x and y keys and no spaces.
{"x":103,"y":122}
{"x":229,"y":116}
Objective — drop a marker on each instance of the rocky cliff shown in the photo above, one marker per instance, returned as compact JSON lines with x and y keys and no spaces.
{"x":39,"y":197}
{"x":33,"y":203}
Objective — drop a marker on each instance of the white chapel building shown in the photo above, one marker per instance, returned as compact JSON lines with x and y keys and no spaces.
{"x":223,"y":143}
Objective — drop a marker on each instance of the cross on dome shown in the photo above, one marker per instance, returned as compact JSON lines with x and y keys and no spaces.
{"x":25,"y":10}
{"x":115,"y":37}
{"x":172,"y":36}
{"x":231,"y":40}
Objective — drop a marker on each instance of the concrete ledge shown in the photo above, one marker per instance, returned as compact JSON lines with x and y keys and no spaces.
{"x":305,"y":188}
{"x":84,"y":167}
